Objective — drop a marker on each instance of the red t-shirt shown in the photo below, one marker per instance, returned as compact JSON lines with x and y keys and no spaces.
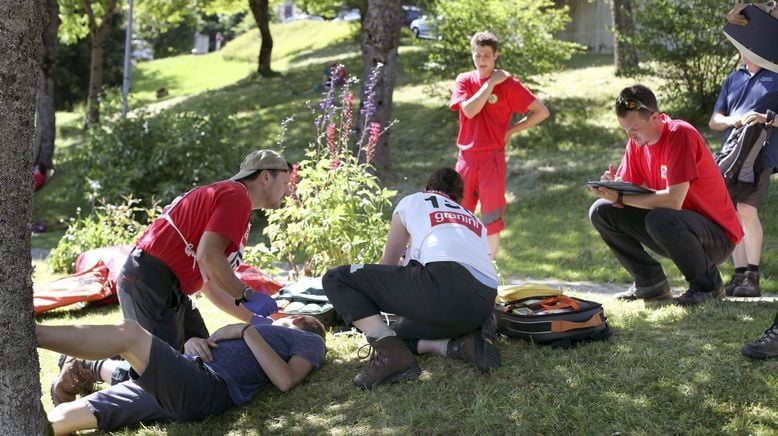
{"x":681,"y":156}
{"x":486,"y":131}
{"x":223,"y":208}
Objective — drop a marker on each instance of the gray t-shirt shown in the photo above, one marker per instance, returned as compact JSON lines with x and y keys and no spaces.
{"x":234,"y":362}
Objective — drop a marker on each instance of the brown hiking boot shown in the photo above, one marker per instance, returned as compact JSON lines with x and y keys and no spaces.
{"x":75,"y":378}
{"x":734,"y":281}
{"x":477,"y":347}
{"x":657,"y":292}
{"x":749,"y":287}
{"x":391,"y":362}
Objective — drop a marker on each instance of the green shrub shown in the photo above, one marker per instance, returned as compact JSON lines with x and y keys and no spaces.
{"x":108,"y":225}
{"x":154,"y":155}
{"x":525,"y":29}
{"x":682,"y":43}
{"x":338,"y":212}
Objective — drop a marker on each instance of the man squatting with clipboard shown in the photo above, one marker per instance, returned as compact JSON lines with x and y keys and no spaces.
{"x":689,"y":218}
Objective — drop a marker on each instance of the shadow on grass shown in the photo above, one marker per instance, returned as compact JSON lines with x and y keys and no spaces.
{"x":548,"y":232}
{"x":79,"y":310}
{"x":145,"y":81}
{"x":586,"y":60}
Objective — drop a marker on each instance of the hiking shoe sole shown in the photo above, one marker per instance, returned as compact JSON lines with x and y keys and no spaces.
{"x":487,"y":355}
{"x":664,"y":297}
{"x":752,"y":352}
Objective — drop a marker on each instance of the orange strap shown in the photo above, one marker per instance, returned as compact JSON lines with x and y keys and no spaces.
{"x":560,"y":302}
{"x":563,"y":326}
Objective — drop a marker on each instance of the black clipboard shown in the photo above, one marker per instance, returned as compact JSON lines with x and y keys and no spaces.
{"x":624,"y":187}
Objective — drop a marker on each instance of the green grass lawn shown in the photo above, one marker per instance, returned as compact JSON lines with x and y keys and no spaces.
{"x":666,"y":370}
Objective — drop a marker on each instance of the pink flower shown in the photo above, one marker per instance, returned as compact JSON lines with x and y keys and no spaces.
{"x":332,"y":146}
{"x":372,"y":140}
{"x":293,"y":179}
{"x":348,"y":110}
{"x":331,"y":140}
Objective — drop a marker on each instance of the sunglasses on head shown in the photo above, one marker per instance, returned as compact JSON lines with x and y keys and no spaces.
{"x":632,"y":104}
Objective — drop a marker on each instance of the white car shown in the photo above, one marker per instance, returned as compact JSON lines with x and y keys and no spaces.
{"x":421,"y":29}
{"x":303,"y":17}
{"x":141,"y":50}
{"x":351,"y":15}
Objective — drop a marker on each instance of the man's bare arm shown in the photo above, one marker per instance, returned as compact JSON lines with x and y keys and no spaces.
{"x":472,"y":106}
{"x":283,"y":375}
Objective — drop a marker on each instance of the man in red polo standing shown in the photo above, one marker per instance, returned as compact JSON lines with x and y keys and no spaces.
{"x":486,"y":99}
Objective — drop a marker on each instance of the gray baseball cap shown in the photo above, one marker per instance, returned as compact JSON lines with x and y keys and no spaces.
{"x":261,"y":160}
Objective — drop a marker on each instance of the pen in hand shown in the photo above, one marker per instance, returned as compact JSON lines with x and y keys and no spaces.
{"x":617,"y":204}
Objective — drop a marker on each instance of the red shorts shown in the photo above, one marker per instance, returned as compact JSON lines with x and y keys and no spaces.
{"x":484,"y":175}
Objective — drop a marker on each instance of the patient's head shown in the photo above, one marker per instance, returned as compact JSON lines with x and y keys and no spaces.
{"x":302,"y":322}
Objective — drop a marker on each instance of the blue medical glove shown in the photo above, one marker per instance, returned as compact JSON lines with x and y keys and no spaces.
{"x":261,"y":304}
{"x":260,"y":320}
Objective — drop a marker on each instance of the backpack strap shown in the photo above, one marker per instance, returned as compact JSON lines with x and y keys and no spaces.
{"x":560,"y":302}
{"x":189,"y":248}
{"x":563,"y":326}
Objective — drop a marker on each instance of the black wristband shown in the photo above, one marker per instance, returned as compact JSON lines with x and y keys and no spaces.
{"x":770,"y":117}
{"x":243,"y":332}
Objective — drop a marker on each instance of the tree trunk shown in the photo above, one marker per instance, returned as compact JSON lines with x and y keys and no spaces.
{"x":625,"y":56}
{"x":97,"y":35}
{"x":45,"y":125}
{"x":380,"y":38}
{"x":20,"y":31}
{"x":259,"y":9}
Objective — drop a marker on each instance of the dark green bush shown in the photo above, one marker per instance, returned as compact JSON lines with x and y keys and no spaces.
{"x":154,"y":156}
{"x":108,"y":225}
{"x":683,"y":43}
{"x":526,"y":30}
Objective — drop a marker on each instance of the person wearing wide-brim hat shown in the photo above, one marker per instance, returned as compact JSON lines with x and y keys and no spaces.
{"x":766,"y":347}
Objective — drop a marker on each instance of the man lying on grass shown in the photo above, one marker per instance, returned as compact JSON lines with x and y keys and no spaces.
{"x":167,"y":385}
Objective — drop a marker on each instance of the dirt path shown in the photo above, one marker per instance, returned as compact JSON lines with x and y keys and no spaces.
{"x":602,"y":290}
{"x":609,"y":288}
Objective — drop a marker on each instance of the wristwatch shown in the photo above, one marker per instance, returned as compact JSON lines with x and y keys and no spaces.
{"x":619,"y":203}
{"x":248,"y":294}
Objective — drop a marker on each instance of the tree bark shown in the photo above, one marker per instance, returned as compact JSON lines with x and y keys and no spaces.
{"x":380,"y":38}
{"x":259,"y":8}
{"x":20,"y":32}
{"x":45,"y":123}
{"x":625,"y":56}
{"x":97,"y":36}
